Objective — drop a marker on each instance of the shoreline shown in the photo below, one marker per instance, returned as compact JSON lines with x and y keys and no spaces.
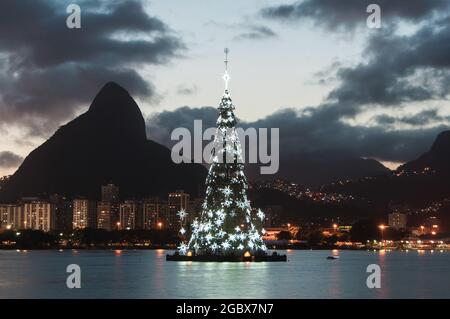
{"x":169,"y":248}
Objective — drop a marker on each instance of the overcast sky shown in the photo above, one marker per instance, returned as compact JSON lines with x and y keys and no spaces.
{"x":310,"y":67}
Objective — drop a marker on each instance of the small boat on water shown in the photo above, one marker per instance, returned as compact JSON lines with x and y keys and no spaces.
{"x":333,"y":257}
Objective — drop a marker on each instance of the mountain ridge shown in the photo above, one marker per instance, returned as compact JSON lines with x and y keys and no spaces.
{"x":417,"y":182}
{"x":321,"y":168}
{"x":107,"y":143}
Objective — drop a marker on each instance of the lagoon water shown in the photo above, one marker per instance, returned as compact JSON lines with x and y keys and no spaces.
{"x":146,"y":274}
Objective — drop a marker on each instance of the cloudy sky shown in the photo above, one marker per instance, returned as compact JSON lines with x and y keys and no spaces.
{"x":311,"y":68}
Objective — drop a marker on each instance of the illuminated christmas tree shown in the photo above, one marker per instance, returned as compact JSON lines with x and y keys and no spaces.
{"x":226,"y":225}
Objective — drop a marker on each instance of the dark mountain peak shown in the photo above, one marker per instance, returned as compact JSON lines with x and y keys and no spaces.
{"x":109,"y":91}
{"x":112,"y":98}
{"x":437,"y":158}
{"x":113,"y":109}
{"x":441,"y":145}
{"x":113,"y":85}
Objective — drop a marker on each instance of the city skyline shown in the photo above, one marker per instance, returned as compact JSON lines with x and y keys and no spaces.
{"x":110,"y":212}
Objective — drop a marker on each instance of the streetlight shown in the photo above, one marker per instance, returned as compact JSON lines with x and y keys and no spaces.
{"x":159,"y":225}
{"x":118,"y":225}
{"x":335,"y":226}
{"x":422,"y":228}
{"x":382,"y":227}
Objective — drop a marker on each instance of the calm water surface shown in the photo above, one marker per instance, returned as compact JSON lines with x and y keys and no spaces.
{"x":146,"y":274}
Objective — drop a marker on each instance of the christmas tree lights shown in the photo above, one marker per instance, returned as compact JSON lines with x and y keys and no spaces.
{"x":226,"y":225}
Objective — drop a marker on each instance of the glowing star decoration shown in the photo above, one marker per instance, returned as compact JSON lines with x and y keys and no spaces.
{"x":209,"y":237}
{"x":226,"y":245}
{"x":242,"y":205}
{"x":220,"y":214}
{"x":182,"y":231}
{"x":254,"y":236}
{"x":207,"y":226}
{"x":227,"y":191}
{"x":261,"y":214}
{"x":182,"y":214}
{"x":183,"y":249}
{"x":240,"y":247}
{"x":226,"y":77}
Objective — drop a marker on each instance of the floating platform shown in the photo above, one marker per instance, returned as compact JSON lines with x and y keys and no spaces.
{"x":219,"y":258}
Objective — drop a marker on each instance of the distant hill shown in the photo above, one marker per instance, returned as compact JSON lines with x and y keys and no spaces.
{"x":106,"y":144}
{"x":417,"y":182}
{"x":302,"y":210}
{"x":319,"y":168}
{"x":437,"y":158}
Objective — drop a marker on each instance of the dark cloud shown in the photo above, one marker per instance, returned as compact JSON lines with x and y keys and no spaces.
{"x":9,"y":159}
{"x":246,"y":30}
{"x":348,"y":14}
{"x":398,"y":70}
{"x":256,"y":32}
{"x":160,"y":125}
{"x":187,"y":90}
{"x":49,"y":70}
{"x":309,"y":131}
{"x":316,"y":130}
{"x":423,"y":118}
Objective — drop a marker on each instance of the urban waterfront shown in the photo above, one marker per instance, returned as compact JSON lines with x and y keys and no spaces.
{"x":146,"y":274}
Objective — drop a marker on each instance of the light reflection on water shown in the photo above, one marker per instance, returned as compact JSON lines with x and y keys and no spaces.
{"x":146,"y":274}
